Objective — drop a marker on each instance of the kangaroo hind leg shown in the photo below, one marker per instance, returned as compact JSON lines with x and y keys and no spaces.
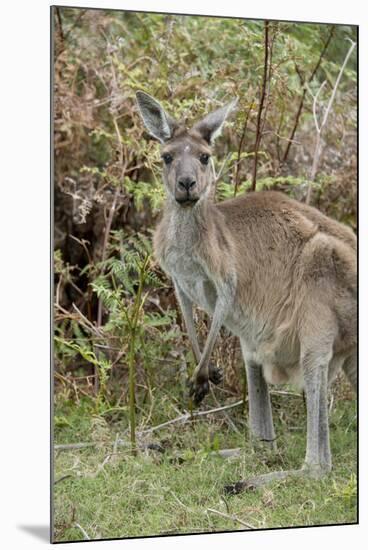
{"x":315,"y":357}
{"x":260,"y":412}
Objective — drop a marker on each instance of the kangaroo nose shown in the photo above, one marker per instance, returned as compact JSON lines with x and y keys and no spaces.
{"x":186,"y":183}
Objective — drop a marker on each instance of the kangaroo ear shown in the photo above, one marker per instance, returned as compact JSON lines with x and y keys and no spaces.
{"x":159,"y":124}
{"x":210,"y":126}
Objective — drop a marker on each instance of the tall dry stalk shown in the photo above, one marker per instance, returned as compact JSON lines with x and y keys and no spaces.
{"x":133,"y":325}
{"x":261,"y":103}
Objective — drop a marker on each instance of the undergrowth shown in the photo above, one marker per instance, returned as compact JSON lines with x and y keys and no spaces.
{"x":175,"y":483}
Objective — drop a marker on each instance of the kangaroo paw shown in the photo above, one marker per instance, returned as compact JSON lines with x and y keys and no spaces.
{"x":215,"y":374}
{"x":254,"y":482}
{"x":198,"y":390}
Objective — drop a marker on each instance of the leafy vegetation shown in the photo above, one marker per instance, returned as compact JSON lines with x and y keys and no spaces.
{"x":121,"y":358}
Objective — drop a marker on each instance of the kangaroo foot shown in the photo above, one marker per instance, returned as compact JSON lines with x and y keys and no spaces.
{"x":198,"y":389}
{"x":215,"y":374}
{"x":199,"y":385}
{"x":263,"y":444}
{"x":316,"y":471}
{"x":258,"y":481}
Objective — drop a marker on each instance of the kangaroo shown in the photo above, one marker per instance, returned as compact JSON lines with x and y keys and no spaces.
{"x":277,"y":273}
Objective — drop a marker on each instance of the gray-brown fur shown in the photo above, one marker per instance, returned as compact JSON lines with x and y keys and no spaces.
{"x":277,"y":273}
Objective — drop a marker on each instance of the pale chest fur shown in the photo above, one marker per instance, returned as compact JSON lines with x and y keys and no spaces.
{"x":190,"y":273}
{"x":177,"y":243}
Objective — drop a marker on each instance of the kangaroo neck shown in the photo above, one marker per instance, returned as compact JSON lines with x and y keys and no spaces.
{"x":191,"y":223}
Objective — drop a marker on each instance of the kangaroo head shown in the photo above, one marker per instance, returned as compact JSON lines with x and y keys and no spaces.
{"x":188,"y":172}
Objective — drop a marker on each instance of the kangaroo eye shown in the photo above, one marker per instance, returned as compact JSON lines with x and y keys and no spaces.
{"x":167,"y":158}
{"x":204,"y":158}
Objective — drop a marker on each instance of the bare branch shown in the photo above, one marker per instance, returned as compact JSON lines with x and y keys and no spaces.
{"x":67,"y":476}
{"x":74,"y":446}
{"x":227,"y":453}
{"x":187,"y":416}
{"x":94,"y":329}
{"x":319,"y":128}
{"x":240,"y":148}
{"x":217,"y":176}
{"x":304,"y":84}
{"x":104,"y":246}
{"x":261,"y":105}
{"x":315,"y":102}
{"x":327,"y":112}
{"x":322,"y":53}
{"x":282,"y":392}
{"x":231,"y":517}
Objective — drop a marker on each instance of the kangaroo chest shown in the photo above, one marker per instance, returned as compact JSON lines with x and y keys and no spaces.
{"x":178,"y":241}
{"x":190,"y":274}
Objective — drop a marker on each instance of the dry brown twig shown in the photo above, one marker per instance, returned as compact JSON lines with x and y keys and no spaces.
{"x":188,"y":416}
{"x":240,"y":148}
{"x":261,"y":104}
{"x":305,"y":83}
{"x":231,"y":517}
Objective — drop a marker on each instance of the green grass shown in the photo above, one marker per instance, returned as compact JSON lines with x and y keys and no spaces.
{"x":118,"y":495}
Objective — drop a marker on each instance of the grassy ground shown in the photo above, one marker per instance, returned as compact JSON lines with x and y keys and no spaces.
{"x":179,"y":488}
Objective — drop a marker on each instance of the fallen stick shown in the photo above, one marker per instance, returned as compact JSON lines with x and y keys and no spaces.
{"x":284,"y":392}
{"x":230,"y":516}
{"x":73,"y":446}
{"x":182,"y":418}
{"x":62,"y":478}
{"x":187,"y":416}
{"x":227,"y":453}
